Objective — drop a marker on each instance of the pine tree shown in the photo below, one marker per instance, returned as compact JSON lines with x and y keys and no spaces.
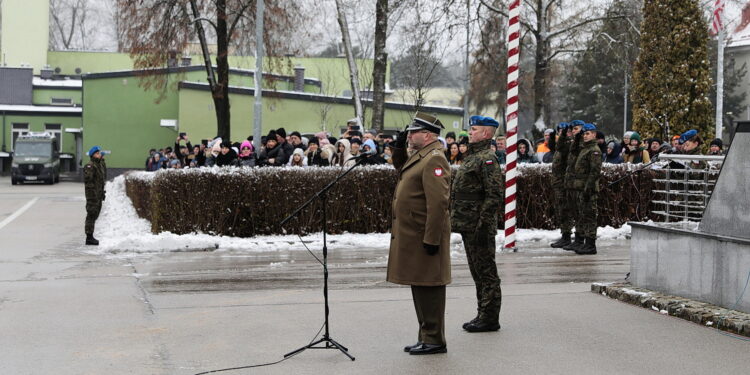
{"x":671,"y":79}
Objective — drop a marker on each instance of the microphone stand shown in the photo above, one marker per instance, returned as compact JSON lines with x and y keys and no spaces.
{"x":329,"y":342}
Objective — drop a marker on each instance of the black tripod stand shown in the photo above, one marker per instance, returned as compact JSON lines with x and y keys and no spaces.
{"x":330,"y":343}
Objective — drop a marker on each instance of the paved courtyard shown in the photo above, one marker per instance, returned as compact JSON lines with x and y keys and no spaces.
{"x":64,"y":310}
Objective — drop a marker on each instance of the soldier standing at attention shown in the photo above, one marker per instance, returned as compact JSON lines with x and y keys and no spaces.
{"x":570,"y":212}
{"x":476,"y":195}
{"x":420,"y":231}
{"x":94,"y":176}
{"x":587,"y":170}
{"x":559,"y":164}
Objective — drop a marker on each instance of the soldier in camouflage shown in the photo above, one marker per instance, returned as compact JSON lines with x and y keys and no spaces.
{"x":559,"y":164}
{"x":570,"y":212}
{"x":94,"y":176}
{"x":587,"y":170}
{"x":476,"y":195}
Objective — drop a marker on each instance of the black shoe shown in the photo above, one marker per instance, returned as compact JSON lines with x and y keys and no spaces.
{"x":575,"y":244}
{"x":562,"y":242}
{"x":410,"y":347}
{"x":483,"y":326}
{"x":428,"y":349}
{"x":588,"y":248}
{"x":470,"y":322}
{"x":90,"y":240}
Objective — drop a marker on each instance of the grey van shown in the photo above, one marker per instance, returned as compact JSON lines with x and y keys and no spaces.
{"x":35,"y":158}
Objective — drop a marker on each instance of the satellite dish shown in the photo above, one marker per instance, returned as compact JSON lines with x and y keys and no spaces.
{"x":78,"y":70}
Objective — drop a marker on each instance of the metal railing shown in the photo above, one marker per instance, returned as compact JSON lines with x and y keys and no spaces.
{"x":687,"y":185}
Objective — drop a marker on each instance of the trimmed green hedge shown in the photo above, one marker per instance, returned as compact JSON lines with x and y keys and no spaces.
{"x":245,"y":202}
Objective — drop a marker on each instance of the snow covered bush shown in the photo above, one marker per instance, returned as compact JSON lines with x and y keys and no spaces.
{"x":246,"y":202}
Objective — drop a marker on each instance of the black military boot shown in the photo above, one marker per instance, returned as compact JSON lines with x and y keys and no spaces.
{"x":575,"y":244}
{"x":562,"y":242}
{"x":90,"y":240}
{"x":588,"y":248}
{"x":482,"y":326}
{"x":470,"y":322}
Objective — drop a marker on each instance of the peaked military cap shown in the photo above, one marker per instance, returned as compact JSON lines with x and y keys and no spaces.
{"x":423,"y":121}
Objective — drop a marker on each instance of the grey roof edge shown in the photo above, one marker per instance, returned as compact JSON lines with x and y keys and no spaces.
{"x":322,"y":98}
{"x":185,"y":69}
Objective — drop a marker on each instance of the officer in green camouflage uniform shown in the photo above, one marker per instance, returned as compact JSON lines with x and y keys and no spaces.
{"x":476,"y":195}
{"x":559,"y":164}
{"x":570,"y":212}
{"x":94,"y":176}
{"x":587,"y":170}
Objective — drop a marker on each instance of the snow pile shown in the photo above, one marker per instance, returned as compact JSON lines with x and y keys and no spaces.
{"x":121,"y":231}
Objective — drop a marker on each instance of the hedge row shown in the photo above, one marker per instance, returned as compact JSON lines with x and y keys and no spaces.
{"x":245,"y":202}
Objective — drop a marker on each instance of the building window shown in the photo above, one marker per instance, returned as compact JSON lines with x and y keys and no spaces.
{"x":18,"y":130}
{"x":56,"y":130}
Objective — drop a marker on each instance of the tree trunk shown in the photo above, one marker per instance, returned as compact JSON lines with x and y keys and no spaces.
{"x":221,"y":92}
{"x":380,"y":65}
{"x":540,"y":63}
{"x":353,"y":71}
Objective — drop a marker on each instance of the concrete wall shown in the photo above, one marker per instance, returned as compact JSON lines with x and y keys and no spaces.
{"x":687,"y":263}
{"x":25,"y":33}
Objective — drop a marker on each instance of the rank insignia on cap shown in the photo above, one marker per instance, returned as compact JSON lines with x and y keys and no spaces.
{"x":438,"y":172}
{"x":488,"y":162}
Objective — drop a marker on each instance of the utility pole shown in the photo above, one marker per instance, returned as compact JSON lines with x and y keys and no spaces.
{"x":720,"y":84}
{"x":258,"y":109}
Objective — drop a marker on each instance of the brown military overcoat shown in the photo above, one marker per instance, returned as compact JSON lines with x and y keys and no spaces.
{"x":420,"y":215}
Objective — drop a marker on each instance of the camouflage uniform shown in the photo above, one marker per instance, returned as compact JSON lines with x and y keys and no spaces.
{"x":94,"y":176}
{"x":569,"y":214}
{"x":559,"y":165}
{"x":587,"y":170}
{"x":476,"y":195}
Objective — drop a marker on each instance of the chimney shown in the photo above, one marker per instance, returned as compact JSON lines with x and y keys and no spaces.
{"x":172,"y":59}
{"x":299,"y":78}
{"x":46,"y":72}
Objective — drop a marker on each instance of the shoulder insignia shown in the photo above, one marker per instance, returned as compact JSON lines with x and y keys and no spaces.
{"x":596,"y":153}
{"x":438,"y":172}
{"x":489,"y":162}
{"x":435,"y":152}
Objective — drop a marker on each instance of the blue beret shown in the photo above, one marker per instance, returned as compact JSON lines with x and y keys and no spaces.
{"x":577,"y":123}
{"x":562,"y":125}
{"x":589,"y":127}
{"x":687,"y":135}
{"x":483,"y":121}
{"x":94,"y":150}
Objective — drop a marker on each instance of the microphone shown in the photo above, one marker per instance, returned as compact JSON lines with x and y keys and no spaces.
{"x":366,"y":154}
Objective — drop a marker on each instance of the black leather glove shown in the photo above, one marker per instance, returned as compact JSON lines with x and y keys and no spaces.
{"x":400,"y":141}
{"x":431,"y":249}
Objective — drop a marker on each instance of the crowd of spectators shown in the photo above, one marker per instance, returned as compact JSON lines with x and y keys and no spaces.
{"x":321,"y":149}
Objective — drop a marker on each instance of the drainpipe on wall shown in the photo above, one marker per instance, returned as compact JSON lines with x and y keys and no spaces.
{"x":3,"y":149}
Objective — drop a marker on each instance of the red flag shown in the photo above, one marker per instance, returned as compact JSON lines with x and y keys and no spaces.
{"x":717,"y":23}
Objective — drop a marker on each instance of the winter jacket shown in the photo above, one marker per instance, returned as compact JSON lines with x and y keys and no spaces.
{"x":228,"y":159}
{"x":341,"y":159}
{"x":529,"y":156}
{"x":637,"y":156}
{"x":277,"y":153}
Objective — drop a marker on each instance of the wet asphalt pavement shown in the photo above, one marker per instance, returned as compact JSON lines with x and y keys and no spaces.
{"x":66,"y":311}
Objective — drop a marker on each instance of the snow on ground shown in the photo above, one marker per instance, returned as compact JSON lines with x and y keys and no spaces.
{"x":123,"y":233}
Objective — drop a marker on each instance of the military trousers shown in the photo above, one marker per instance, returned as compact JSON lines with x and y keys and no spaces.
{"x":480,"y":254}
{"x":93,"y":207}
{"x":429,"y":303}
{"x":588,"y":210}
{"x":565,"y":208}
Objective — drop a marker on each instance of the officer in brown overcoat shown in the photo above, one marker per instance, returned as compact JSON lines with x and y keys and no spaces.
{"x":420,"y":240}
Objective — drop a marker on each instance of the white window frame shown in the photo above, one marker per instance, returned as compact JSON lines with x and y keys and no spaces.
{"x":17,"y":129}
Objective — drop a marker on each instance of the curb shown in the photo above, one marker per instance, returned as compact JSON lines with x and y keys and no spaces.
{"x":702,"y":313}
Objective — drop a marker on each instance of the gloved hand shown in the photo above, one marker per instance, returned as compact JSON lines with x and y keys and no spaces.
{"x":104,"y":195}
{"x":400,"y":141}
{"x":431,"y":249}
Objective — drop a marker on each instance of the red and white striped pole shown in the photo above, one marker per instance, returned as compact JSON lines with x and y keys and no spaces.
{"x":511,"y":173}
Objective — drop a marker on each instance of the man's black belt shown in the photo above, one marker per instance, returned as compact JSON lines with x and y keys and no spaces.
{"x":468,"y":196}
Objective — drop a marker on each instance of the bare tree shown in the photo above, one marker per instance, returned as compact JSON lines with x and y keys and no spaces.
{"x":555,"y":26}
{"x":379,"y":65}
{"x":68,"y":22}
{"x":353,"y":71}
{"x":157,"y":30}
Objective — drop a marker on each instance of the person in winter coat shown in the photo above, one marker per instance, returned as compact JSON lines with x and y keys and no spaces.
{"x":343,"y":153}
{"x":227,"y":156}
{"x":453,"y":154}
{"x":285,"y":145}
{"x":636,"y":153}
{"x":298,"y":159}
{"x":613,"y":153}
{"x":524,"y":153}
{"x":654,"y":145}
{"x":625,"y":142}
{"x":215,"y":151}
{"x":247,"y":155}
{"x":273,"y":154}
{"x":716,"y":147}
{"x":94,"y":177}
{"x":374,"y":159}
{"x":316,"y":156}
{"x":155,"y":163}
